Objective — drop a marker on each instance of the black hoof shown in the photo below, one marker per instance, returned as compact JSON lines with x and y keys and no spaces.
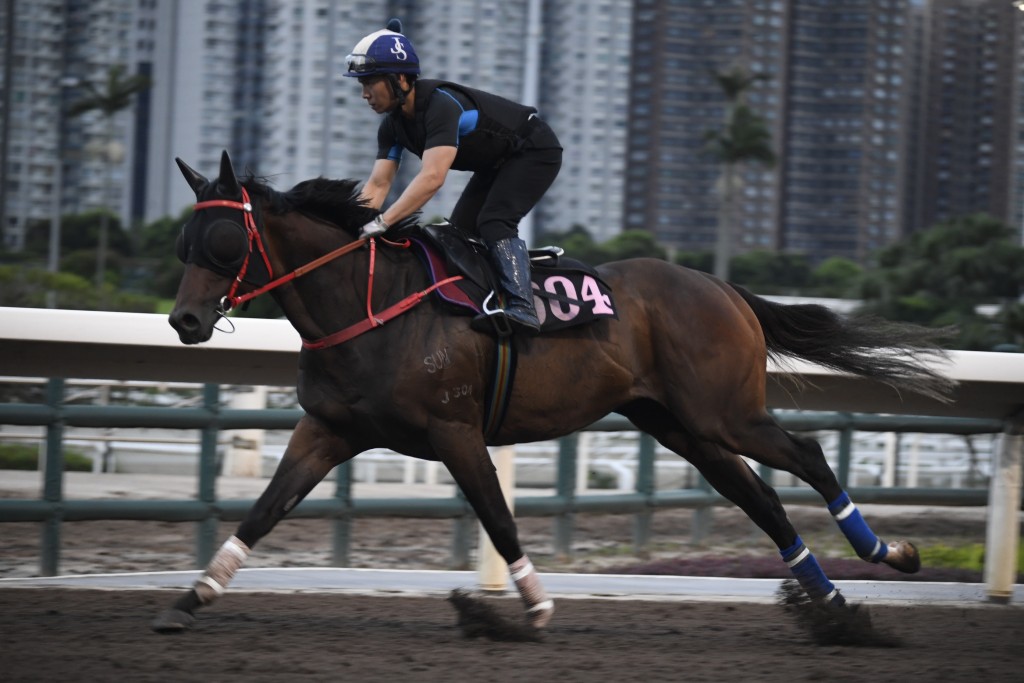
{"x":172,"y":621}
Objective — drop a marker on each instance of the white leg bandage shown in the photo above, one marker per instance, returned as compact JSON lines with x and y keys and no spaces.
{"x":229,"y":558}
{"x":539,"y":607}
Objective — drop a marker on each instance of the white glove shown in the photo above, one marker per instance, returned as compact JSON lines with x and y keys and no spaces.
{"x":374,"y":227}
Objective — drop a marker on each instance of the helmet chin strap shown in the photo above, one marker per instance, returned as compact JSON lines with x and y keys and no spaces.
{"x":396,"y":88}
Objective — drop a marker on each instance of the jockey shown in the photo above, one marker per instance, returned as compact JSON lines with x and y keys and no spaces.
{"x":514,"y":156}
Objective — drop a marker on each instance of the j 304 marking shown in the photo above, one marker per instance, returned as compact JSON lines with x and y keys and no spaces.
{"x":438,"y":360}
{"x":461,"y":391}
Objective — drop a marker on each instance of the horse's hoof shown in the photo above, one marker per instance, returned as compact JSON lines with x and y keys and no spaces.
{"x":903,"y":556}
{"x":540,"y":615}
{"x":172,"y":621}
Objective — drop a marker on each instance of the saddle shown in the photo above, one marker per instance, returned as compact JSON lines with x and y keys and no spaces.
{"x":566,"y":292}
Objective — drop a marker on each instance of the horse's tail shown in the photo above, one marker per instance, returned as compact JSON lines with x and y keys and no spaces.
{"x":890,"y":352}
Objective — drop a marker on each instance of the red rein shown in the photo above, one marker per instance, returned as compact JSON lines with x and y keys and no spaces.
{"x":371,"y":321}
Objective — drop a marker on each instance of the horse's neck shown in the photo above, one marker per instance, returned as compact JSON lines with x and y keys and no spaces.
{"x":334,"y":295}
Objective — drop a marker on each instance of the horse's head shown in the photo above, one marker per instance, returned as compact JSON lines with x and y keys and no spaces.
{"x":221,"y":248}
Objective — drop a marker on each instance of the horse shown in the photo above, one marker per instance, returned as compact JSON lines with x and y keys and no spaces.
{"x":385,"y":364}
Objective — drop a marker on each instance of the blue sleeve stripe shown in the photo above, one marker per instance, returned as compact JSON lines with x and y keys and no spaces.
{"x":468,"y":119}
{"x":395,"y":153}
{"x":467,"y":122}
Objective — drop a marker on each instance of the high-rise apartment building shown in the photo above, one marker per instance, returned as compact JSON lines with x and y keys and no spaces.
{"x":314,"y":120}
{"x":196,"y":89}
{"x":886,"y":115}
{"x":584,"y":95}
{"x":970,"y":111}
{"x":672,"y":181}
{"x":32,"y":63}
{"x":53,"y":163}
{"x":832,"y":100}
{"x":843,"y":171}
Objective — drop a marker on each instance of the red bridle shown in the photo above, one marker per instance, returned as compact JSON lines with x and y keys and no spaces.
{"x":371,"y":321}
{"x":230,"y":301}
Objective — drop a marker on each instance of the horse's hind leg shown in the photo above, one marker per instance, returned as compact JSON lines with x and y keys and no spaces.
{"x":312,"y":452}
{"x":734,"y":479}
{"x":730,"y":475}
{"x":768,"y":443}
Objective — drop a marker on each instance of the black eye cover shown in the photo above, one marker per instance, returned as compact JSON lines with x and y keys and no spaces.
{"x":225,"y":243}
{"x":222,"y":244}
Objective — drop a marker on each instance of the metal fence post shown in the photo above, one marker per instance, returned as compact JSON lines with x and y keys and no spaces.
{"x":565,"y":490}
{"x":702,"y":516}
{"x":53,"y":479}
{"x":645,"y":485}
{"x":206,"y":529}
{"x":845,"y":448}
{"x":341,"y":526}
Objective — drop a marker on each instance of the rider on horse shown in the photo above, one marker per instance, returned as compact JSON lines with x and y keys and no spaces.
{"x":514,"y":156}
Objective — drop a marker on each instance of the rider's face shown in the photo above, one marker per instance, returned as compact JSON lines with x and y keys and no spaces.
{"x":378,"y":94}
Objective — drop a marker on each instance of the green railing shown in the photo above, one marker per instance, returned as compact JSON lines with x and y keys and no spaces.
{"x":53,"y":509}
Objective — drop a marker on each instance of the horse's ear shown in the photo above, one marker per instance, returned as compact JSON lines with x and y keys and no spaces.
{"x":194,"y":179}
{"x":228,"y":181}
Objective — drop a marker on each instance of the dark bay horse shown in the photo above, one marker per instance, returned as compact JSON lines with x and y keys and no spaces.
{"x":685,"y":362}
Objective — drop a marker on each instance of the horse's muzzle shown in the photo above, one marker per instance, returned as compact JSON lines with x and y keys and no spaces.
{"x":190,"y":327}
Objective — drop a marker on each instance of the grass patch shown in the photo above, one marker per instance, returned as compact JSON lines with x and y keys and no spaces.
{"x":19,"y":456}
{"x":970,"y":556}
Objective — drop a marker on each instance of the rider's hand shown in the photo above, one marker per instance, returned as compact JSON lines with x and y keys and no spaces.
{"x":374,"y":228}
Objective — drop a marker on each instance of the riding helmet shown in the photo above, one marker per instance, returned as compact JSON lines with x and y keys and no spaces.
{"x":383,"y":52}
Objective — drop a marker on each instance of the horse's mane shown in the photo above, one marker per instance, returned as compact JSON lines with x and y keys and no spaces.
{"x":337,"y":202}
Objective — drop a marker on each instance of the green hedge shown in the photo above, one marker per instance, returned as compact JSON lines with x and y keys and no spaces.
{"x":19,"y":456}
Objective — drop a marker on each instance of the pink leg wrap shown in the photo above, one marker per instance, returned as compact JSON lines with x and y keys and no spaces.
{"x":539,"y":607}
{"x":221,"y":570}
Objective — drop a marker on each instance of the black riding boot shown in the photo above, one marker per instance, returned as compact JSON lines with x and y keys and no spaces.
{"x":512,"y":260}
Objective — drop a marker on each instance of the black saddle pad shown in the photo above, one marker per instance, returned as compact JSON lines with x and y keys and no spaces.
{"x":567,"y":292}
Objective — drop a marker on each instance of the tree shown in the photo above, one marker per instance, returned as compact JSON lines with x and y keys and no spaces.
{"x":81,"y":232}
{"x":744,"y":137}
{"x":579,"y":244}
{"x":942,"y":275}
{"x":703,"y":261}
{"x":836,"y":277}
{"x":770,"y":272}
{"x":108,"y":98}
{"x":633,"y":244}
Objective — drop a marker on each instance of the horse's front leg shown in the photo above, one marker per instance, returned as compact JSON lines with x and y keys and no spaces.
{"x":464,"y":453}
{"x":313,"y":450}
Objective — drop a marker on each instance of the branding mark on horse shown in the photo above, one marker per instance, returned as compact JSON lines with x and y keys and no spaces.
{"x":438,"y":360}
{"x":461,"y":391}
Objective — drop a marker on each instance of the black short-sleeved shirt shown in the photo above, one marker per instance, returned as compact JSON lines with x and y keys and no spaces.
{"x":481,"y":125}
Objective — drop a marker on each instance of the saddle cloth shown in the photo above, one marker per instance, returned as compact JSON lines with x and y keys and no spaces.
{"x":566,"y":292}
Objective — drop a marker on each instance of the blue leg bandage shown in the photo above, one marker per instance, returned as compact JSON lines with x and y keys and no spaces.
{"x":809,"y":574}
{"x":864,"y":541}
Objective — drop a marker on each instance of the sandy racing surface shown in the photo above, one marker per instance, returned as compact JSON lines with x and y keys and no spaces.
{"x":56,"y":634}
{"x":53,"y":635}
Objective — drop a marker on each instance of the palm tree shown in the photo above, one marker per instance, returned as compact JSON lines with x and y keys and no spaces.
{"x":744,"y":137}
{"x":109,"y":97}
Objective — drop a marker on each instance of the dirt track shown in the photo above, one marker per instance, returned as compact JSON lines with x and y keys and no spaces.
{"x":54,"y":635}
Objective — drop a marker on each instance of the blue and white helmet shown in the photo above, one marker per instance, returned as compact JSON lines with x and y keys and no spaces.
{"x":384,"y":52}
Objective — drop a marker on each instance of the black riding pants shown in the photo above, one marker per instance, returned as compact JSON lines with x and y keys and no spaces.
{"x":495,"y":200}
